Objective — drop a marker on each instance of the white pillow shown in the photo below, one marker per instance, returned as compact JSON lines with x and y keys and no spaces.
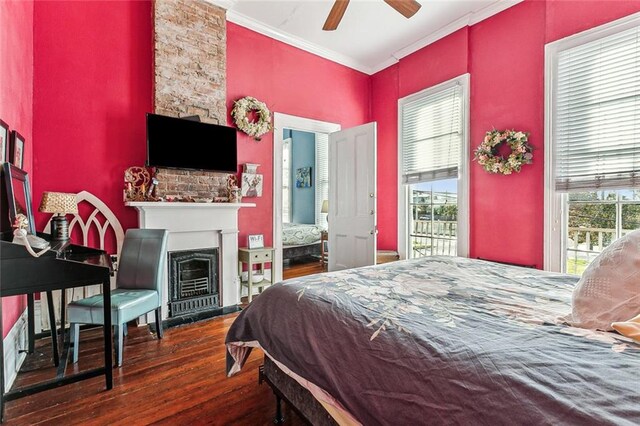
{"x":609,"y":289}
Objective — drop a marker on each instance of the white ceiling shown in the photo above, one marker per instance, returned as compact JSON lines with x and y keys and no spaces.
{"x":371,"y":35}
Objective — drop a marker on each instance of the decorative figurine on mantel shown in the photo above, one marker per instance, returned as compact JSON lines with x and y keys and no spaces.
{"x":139,"y":185}
{"x":235,"y":195}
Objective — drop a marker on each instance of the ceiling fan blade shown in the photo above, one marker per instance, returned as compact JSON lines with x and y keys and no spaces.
{"x":336,"y":14}
{"x":407,"y":8}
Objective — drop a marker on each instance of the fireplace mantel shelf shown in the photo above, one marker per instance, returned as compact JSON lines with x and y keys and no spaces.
{"x":178,"y":205}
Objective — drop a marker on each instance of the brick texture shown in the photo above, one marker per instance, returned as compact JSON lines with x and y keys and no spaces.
{"x":190,"y":79}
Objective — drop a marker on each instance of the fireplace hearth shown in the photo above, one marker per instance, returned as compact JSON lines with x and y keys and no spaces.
{"x":194,"y":284}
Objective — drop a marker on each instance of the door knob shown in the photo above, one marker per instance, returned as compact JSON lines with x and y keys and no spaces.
{"x":371,"y":194}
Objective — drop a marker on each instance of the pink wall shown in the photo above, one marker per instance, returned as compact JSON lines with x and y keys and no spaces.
{"x":16,"y":100}
{"x":92,"y":88}
{"x":507,"y":82}
{"x":293,"y":82}
{"x":567,"y":17}
{"x":102,"y":65}
{"x":505,"y":57}
{"x":384,"y":91}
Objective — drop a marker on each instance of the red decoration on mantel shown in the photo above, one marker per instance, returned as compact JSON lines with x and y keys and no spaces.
{"x":140,"y":184}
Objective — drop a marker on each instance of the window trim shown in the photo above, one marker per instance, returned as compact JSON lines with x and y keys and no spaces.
{"x":463,"y":169}
{"x":555,"y":223}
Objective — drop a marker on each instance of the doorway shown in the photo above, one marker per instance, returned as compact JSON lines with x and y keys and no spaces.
{"x":300,"y":189}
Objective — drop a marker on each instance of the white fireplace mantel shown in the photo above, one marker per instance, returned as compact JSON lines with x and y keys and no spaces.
{"x":194,"y":226}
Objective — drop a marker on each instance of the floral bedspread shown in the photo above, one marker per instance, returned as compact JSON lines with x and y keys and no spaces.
{"x":445,"y":340}
{"x":294,"y":234}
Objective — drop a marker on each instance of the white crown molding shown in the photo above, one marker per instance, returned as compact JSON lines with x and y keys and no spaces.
{"x":467,"y":20}
{"x":295,"y":41}
{"x":425,"y":41}
{"x":276,"y":34}
{"x":385,"y":64}
{"x":225,"y":4}
{"x":492,"y":9}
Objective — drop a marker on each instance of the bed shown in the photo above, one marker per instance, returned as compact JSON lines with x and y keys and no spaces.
{"x":300,"y":240}
{"x":440,"y":340}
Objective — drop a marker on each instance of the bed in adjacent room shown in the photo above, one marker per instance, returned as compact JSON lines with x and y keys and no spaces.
{"x":300,"y":240}
{"x":438,"y":340}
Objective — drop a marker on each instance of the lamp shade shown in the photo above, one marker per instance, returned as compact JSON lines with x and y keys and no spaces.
{"x":325,"y":207}
{"x":58,"y":202}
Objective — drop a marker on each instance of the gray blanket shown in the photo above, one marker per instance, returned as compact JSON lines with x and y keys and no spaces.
{"x":445,"y":340}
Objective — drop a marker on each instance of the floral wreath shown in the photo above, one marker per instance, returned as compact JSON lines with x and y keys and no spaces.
{"x":487,"y":152}
{"x":240,"y":114}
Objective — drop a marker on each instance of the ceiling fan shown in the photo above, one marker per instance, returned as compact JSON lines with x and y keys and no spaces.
{"x":407,"y":8}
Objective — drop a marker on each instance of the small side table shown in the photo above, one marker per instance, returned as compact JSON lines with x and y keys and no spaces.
{"x":258,"y":256}
{"x":324,"y":237}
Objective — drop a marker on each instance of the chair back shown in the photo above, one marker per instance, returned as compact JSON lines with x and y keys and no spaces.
{"x":142,"y":260}
{"x":95,"y":225}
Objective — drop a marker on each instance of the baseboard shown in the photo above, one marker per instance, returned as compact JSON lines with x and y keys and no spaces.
{"x":15,"y":341}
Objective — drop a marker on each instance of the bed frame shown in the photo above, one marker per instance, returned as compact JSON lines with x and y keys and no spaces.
{"x":298,"y":398}
{"x":292,"y":252}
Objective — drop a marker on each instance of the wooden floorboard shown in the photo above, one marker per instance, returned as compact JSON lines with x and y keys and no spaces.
{"x":179,"y":380}
{"x":301,"y":269}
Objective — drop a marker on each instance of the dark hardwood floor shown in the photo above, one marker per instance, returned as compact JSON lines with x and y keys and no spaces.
{"x":179,"y":380}
{"x":297,"y":269}
{"x":309,"y":266}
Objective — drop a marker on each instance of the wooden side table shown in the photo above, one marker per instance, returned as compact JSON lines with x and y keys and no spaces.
{"x":324,"y":238}
{"x":251,"y":257}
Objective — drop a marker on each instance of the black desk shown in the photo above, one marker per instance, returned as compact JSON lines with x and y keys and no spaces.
{"x":63,"y":267}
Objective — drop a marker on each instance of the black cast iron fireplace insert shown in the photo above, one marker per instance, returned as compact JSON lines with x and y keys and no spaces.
{"x":194,"y":284}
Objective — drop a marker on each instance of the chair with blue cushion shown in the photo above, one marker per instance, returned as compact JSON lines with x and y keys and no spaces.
{"x":138,"y":288}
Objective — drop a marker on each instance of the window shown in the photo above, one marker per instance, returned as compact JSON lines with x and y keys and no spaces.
{"x":433,"y":218}
{"x":322,"y":176}
{"x":433,"y":154}
{"x":593,"y":140}
{"x":594,"y":220}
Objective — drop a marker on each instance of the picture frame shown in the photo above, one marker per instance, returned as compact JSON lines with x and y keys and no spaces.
{"x":4,"y":141}
{"x":18,"y":194}
{"x":17,"y":149}
{"x":303,"y":177}
{"x":256,"y":241}
{"x":251,"y":185}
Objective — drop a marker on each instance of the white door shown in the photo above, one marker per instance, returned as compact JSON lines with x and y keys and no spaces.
{"x":352,"y":197}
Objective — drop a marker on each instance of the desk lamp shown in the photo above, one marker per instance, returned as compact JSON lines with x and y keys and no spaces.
{"x":60,"y":204}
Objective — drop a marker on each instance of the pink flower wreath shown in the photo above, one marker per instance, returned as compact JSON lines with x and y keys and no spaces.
{"x":487,"y":152}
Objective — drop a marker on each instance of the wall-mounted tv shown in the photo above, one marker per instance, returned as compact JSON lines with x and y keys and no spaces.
{"x":187,"y":144}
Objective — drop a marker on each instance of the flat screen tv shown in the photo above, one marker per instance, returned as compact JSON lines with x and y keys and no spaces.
{"x":180,"y":143}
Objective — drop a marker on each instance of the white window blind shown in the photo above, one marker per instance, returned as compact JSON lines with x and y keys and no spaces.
{"x":597,"y":114}
{"x":322,"y":176}
{"x":432,"y":135}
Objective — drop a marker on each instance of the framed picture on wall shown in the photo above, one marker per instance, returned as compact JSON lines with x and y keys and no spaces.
{"x":251,"y":185}
{"x":4,"y":141}
{"x":303,"y":177}
{"x":17,"y":149}
{"x":256,"y":241}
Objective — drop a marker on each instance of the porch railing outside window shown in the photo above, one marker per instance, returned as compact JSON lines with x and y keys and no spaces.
{"x":595,"y":220}
{"x":434,"y":223}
